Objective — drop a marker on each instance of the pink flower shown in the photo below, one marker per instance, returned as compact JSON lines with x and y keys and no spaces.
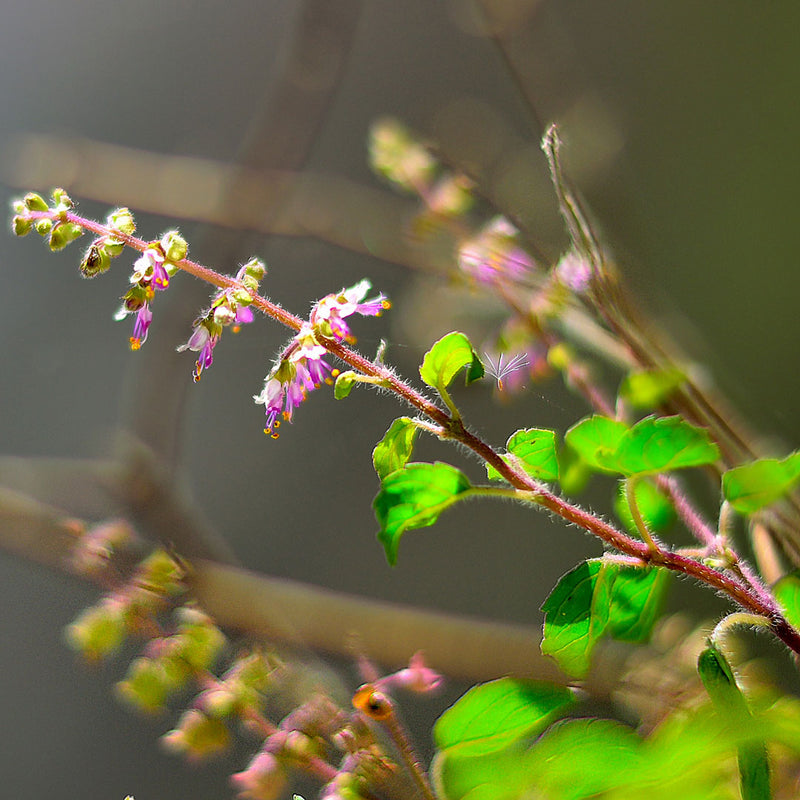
{"x":301,"y":367}
{"x":416,"y":677}
{"x":264,"y":779}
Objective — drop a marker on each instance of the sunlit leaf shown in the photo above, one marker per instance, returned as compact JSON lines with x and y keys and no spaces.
{"x":394,"y":450}
{"x":503,"y":775}
{"x":599,"y":598}
{"x":413,"y":497}
{"x":753,"y":486}
{"x":344,"y":384}
{"x":660,"y":444}
{"x":649,"y":388}
{"x":494,"y":715}
{"x":580,"y":758}
{"x":447,"y":358}
{"x":730,"y":704}
{"x":657,"y":511}
{"x":596,"y":439}
{"x":573,"y":760}
{"x":536,"y":450}
{"x":787,"y":593}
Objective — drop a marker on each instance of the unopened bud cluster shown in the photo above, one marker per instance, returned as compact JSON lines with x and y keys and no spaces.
{"x":101,"y":629}
{"x":33,"y":212}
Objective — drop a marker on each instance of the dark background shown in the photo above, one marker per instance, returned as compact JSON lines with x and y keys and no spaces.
{"x":681,"y":125}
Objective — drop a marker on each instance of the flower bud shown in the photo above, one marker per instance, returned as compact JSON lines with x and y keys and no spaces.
{"x":95,"y":261}
{"x":62,"y":200}
{"x":174,"y":246}
{"x":122,"y":220}
{"x":35,"y":202}
{"x":43,"y":226}
{"x":255,"y":268}
{"x":98,"y":631}
{"x":147,"y":685}
{"x":264,"y":778}
{"x":63,"y":234}
{"x":113,"y":247}
{"x":197,"y":735}
{"x":21,"y":226}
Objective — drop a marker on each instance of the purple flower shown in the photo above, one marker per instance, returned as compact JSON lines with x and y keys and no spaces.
{"x":149,"y":269}
{"x":144,"y":316}
{"x":574,"y":271}
{"x":494,"y":254}
{"x":301,"y":367}
{"x":202,"y":341}
{"x":329,"y":313}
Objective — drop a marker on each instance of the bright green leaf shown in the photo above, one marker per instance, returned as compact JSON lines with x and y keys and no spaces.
{"x":753,"y":486}
{"x":599,"y":598}
{"x":394,"y":450}
{"x":659,"y":444}
{"x":651,"y":387}
{"x":503,"y":775}
{"x":657,"y":511}
{"x":580,"y":758}
{"x":573,"y":472}
{"x":731,"y":705}
{"x":536,"y":450}
{"x":413,"y":497}
{"x":344,"y":384}
{"x":494,"y":715}
{"x":787,"y":593}
{"x":447,"y":358}
{"x":596,"y":439}
{"x":573,"y":760}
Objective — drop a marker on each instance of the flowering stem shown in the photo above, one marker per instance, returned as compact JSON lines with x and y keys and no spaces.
{"x":752,"y":600}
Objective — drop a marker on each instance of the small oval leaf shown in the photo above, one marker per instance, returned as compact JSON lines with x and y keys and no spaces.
{"x":661,"y":444}
{"x":596,"y":439}
{"x":752,"y":486}
{"x":536,"y":450}
{"x":447,"y":358}
{"x":394,"y":450}
{"x":648,"y":389}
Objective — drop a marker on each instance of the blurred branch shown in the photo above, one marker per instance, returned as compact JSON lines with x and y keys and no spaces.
{"x":326,"y":207}
{"x":284,"y":611}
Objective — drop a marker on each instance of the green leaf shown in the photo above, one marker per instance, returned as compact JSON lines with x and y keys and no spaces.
{"x":651,"y":387}
{"x":394,"y":450}
{"x":536,"y":449}
{"x":731,"y":705}
{"x":573,"y":472}
{"x":580,"y":758}
{"x":573,"y":760}
{"x":657,"y":511}
{"x":503,"y":775}
{"x":753,"y":486}
{"x":787,"y":593}
{"x":596,"y":439}
{"x":494,"y":715}
{"x":659,"y":444}
{"x":599,"y":598}
{"x":344,"y":384}
{"x":413,"y":497}
{"x":447,"y":358}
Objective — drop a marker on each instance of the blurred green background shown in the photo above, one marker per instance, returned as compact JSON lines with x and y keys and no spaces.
{"x":681,"y":125}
